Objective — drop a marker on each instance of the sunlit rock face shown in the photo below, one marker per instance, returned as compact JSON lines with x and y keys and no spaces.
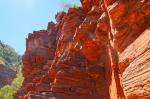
{"x":97,"y":51}
{"x":136,"y":59}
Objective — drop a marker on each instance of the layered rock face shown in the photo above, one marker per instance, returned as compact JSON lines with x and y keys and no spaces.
{"x":136,"y":59}
{"x":97,"y":51}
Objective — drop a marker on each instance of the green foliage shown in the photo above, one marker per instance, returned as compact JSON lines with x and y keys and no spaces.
{"x":1,"y":61}
{"x":8,"y":91}
{"x":74,"y":5}
{"x":9,"y":57}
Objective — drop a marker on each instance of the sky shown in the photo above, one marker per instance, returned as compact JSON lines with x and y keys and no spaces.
{"x":20,"y":17}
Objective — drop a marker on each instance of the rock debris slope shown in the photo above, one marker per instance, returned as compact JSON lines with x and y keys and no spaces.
{"x":98,"y":51}
{"x":6,"y":75}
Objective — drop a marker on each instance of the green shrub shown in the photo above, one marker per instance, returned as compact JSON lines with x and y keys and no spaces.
{"x":9,"y":57}
{"x":74,"y":5}
{"x":2,"y":61}
{"x":8,"y":91}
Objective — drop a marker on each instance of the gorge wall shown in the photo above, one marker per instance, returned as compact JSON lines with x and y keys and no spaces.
{"x":98,"y":51}
{"x":6,"y":75}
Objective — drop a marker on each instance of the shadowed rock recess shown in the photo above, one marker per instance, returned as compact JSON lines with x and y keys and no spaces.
{"x":98,"y":51}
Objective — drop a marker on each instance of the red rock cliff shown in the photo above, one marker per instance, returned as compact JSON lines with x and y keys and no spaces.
{"x":98,"y":51}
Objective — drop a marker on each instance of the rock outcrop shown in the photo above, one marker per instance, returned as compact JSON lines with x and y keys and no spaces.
{"x":6,"y":75}
{"x":97,"y":51}
{"x":136,"y":59}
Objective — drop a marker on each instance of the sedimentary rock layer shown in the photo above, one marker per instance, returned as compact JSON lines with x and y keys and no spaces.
{"x":97,"y":51}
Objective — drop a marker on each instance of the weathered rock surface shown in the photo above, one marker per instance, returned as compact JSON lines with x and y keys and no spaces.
{"x":97,"y":51}
{"x":136,"y":60}
{"x":6,"y":75}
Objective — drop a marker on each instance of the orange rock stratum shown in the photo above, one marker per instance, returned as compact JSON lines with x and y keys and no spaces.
{"x":98,"y":51}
